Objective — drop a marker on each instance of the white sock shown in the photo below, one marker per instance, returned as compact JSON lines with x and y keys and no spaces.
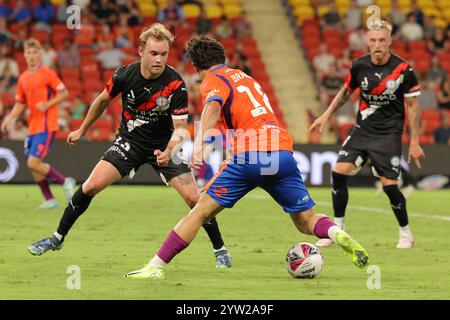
{"x":332,"y":232}
{"x":405,"y":229}
{"x":157,"y":262}
{"x":339,"y":222}
{"x":58,"y":236}
{"x":223,"y":248}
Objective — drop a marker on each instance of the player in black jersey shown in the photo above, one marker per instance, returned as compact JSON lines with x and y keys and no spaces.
{"x":154,"y":124}
{"x":384,"y":80}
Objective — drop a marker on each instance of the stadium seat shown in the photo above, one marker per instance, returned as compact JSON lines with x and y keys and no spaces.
{"x":213,"y":11}
{"x":191,"y":10}
{"x":232,"y":11}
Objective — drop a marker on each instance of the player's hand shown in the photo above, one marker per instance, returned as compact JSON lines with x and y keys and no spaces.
{"x":42,"y":106}
{"x":319,"y":122}
{"x":415,"y":152}
{"x":5,"y":124}
{"x":195,"y":162}
{"x":74,"y":137}
{"x":162,"y":158}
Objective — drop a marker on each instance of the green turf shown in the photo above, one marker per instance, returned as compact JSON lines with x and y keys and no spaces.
{"x":125,"y":226}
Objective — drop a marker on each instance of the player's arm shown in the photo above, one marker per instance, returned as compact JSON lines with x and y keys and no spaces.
{"x":179,"y":135}
{"x":17,"y":110}
{"x":415,"y":151}
{"x":339,"y":100}
{"x":208,"y":120}
{"x":95,"y":111}
{"x":59,"y":97}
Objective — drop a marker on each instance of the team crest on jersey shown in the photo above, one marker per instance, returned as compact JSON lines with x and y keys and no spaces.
{"x":162,"y":103}
{"x":395,"y":161}
{"x":391,"y":85}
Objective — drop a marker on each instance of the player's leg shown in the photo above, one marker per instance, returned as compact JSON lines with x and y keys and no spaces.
{"x":179,"y":238}
{"x":102,"y":176}
{"x":223,"y":191}
{"x":288,"y":190}
{"x":409,"y":182}
{"x":321,"y":226}
{"x":38,"y":146}
{"x":385,"y":154}
{"x":186,"y":187}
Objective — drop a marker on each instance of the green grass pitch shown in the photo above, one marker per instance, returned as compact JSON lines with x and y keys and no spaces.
{"x":125,"y":226}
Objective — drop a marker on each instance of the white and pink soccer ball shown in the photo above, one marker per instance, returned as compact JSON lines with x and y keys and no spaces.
{"x":304,"y":261}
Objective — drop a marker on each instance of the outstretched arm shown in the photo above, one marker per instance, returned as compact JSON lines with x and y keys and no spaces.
{"x":339,"y":100}
{"x":95,"y":111}
{"x":17,"y":110}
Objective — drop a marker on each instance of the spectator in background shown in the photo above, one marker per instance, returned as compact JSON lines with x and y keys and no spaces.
{"x":5,"y":10}
{"x":353,"y":16}
{"x":49,"y":55}
{"x":442,"y":134}
{"x":418,"y":13}
{"x":44,"y":14}
{"x":411,"y":30}
{"x":133,"y":15}
{"x":203,"y":25}
{"x":104,"y":12}
{"x":443,"y":95}
{"x":398,"y":17}
{"x":357,"y":40}
{"x":21,"y":13}
{"x":238,"y":60}
{"x":241,"y":27}
{"x":18,"y":130}
{"x":343,"y":63}
{"x":5,"y":35}
{"x":438,"y":41}
{"x":68,"y":57}
{"x":78,"y":108}
{"x":104,"y":36}
{"x":224,"y":29}
{"x":172,"y":16}
{"x":111,"y":57}
{"x":429,"y":25}
{"x":331,"y":19}
{"x":330,"y":85}
{"x":61,"y":11}
{"x":435,"y":73}
{"x":9,"y":72}
{"x":427,"y":98}
{"x":324,"y":61}
{"x":123,"y":39}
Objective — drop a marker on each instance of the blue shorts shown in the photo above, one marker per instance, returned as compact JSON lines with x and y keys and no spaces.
{"x":38,"y":145}
{"x":276,"y":172}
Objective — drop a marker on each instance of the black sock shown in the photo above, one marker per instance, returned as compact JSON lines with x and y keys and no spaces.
{"x":212,"y":229}
{"x":408,"y":179}
{"x":79,"y":203}
{"x":339,"y":194}
{"x":398,"y":204}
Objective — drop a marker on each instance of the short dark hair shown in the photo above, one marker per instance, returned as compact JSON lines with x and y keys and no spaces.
{"x":205,"y":52}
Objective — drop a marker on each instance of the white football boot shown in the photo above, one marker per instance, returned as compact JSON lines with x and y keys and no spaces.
{"x":406,"y":240}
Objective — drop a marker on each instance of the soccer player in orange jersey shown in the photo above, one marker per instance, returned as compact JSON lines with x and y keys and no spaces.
{"x":262,"y":157}
{"x":40,"y":89}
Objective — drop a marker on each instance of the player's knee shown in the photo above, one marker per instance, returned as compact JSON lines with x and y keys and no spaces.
{"x":92,"y":188}
{"x":32,"y":164}
{"x":192,"y":200}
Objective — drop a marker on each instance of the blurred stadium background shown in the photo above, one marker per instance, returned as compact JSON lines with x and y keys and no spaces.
{"x":299,"y":51}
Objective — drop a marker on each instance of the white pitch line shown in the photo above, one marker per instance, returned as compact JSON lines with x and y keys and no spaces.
{"x":366,"y":209}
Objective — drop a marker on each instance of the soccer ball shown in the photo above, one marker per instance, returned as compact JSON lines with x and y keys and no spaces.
{"x":304,"y":261}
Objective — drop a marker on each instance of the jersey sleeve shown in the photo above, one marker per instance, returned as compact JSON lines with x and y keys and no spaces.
{"x":20,"y":93}
{"x":214,"y":89}
{"x":410,"y":83}
{"x":115,"y":83}
{"x":179,"y":102}
{"x":54,"y":82}
{"x":352,"y":83}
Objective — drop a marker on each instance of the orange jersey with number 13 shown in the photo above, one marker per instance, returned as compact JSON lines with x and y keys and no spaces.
{"x":246,"y":109}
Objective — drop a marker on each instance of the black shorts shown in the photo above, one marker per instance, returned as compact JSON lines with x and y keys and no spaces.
{"x":128,"y":157}
{"x":383,"y":151}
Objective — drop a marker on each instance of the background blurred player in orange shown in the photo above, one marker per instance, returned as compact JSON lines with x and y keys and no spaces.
{"x":262,"y":157}
{"x":40,"y":89}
